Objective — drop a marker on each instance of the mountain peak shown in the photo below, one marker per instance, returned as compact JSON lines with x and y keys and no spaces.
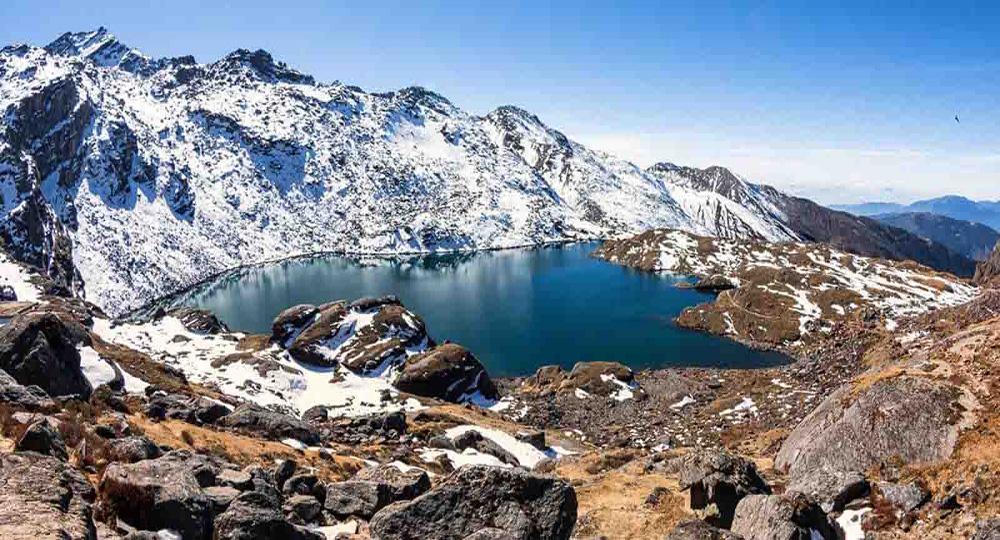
{"x":100,"y":46}
{"x":263,"y":64}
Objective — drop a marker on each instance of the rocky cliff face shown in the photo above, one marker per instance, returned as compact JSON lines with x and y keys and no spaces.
{"x":988,"y":271}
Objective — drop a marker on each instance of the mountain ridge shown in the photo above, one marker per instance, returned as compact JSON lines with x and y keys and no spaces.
{"x":127,"y":177}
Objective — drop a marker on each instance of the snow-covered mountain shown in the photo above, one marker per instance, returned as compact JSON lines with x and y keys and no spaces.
{"x":127,"y":177}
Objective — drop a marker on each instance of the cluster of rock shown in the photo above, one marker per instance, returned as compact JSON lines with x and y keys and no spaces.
{"x":988,"y":271}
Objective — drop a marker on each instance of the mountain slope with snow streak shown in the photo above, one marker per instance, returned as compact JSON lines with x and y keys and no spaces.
{"x":126,"y":177}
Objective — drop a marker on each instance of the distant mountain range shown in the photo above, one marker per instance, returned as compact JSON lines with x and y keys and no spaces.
{"x":125,"y":177}
{"x":953,"y":206}
{"x":974,"y":240}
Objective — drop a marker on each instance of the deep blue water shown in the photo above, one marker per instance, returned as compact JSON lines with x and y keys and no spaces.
{"x":516,"y":310}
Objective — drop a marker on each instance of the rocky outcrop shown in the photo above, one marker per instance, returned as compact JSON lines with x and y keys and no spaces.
{"x":373,"y":489}
{"x":988,"y":271}
{"x":199,"y":321}
{"x":363,"y":336}
{"x":191,"y":409}
{"x":42,"y":497}
{"x":133,"y":449}
{"x":718,"y":481}
{"x":449,"y":372}
{"x":783,"y":517}
{"x":914,"y":419}
{"x":162,"y":493}
{"x":476,"y":497}
{"x":41,"y":350}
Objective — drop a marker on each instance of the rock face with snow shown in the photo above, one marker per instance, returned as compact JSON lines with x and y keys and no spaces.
{"x":783,"y":517}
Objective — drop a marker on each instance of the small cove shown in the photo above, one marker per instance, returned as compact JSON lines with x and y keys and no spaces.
{"x":516,"y":310}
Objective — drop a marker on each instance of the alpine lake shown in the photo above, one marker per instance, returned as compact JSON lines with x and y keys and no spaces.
{"x":516,"y":310}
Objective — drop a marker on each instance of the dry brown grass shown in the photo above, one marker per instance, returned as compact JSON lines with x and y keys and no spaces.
{"x":242,"y":450}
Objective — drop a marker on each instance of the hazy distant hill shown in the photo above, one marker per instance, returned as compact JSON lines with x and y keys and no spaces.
{"x":953,"y":206}
{"x":974,"y":240}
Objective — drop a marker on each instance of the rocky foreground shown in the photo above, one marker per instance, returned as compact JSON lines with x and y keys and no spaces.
{"x":348,"y":420}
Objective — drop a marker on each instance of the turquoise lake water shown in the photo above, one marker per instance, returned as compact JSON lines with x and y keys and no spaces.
{"x":516,"y":310}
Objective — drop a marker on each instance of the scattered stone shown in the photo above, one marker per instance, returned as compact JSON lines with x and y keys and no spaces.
{"x":241,"y":480}
{"x":490,"y":534}
{"x":478,"y":497}
{"x":658,"y":495}
{"x":283,"y":471}
{"x":398,"y":484}
{"x":303,"y":484}
{"x":31,"y":398}
{"x":221,"y":496}
{"x":987,"y":529}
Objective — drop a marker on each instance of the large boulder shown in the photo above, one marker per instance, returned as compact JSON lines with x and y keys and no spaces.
{"x":133,"y":449}
{"x":354,"y":499}
{"x":191,"y":409}
{"x":696,"y":529}
{"x":291,"y":321}
{"x":717,"y":482}
{"x":783,"y":517}
{"x":912,"y":418}
{"x":162,"y":493}
{"x":449,"y":372}
{"x":31,"y":398}
{"x":528,"y":507}
{"x":42,"y":437}
{"x":606,"y":379}
{"x":269,"y":424}
{"x":42,"y":497}
{"x":41,"y":350}
{"x":253,"y":516}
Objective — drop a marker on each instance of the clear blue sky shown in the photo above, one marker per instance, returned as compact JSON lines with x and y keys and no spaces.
{"x":838,"y":102}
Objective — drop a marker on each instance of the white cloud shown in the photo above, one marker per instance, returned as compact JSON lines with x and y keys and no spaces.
{"x":824,"y":173}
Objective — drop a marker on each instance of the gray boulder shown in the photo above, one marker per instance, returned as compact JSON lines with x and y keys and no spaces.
{"x":42,"y":497}
{"x":221,"y":496}
{"x":303,"y":484}
{"x":783,"y":517}
{"x":253,"y":516}
{"x":42,"y":437}
{"x":912,"y":418}
{"x":448,"y":372}
{"x":831,"y":489}
{"x":241,"y":480}
{"x":400,"y":485}
{"x":354,"y":499}
{"x":696,"y":529}
{"x":478,"y":497}
{"x":191,"y":409}
{"x":302,"y":508}
{"x":162,"y":493}
{"x":490,"y":534}
{"x":41,"y":350}
{"x":475,"y":440}
{"x":268,"y":424}
{"x":718,"y":481}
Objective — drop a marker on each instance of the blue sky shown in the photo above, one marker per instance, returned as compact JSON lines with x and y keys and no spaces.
{"x":841,"y":103}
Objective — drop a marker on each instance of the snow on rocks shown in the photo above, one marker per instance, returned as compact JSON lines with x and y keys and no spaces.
{"x":788,"y":292}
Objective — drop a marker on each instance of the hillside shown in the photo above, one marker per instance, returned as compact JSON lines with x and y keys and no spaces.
{"x":952,"y":206}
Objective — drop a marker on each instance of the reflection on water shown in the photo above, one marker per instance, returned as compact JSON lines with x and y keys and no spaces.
{"x":516,"y":309}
